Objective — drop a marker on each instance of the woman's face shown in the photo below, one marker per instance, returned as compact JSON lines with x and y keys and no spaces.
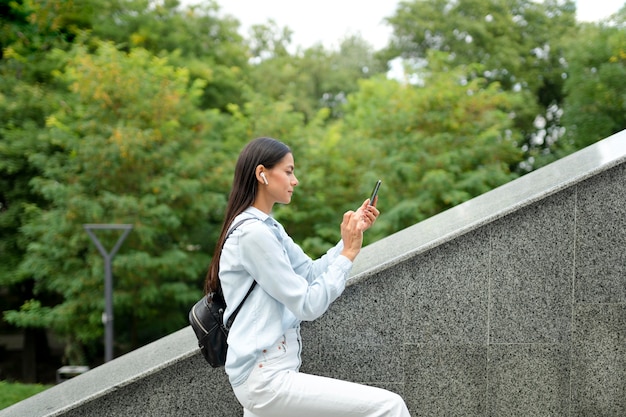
{"x":281,"y":180}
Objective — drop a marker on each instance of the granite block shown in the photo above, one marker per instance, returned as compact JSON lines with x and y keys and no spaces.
{"x":446,"y":380}
{"x":531,"y":273}
{"x":332,"y":326}
{"x":601,"y":238}
{"x":362,"y":363}
{"x":599,"y":360}
{"x":528,"y":380}
{"x":447,"y":297}
{"x":364,"y":314}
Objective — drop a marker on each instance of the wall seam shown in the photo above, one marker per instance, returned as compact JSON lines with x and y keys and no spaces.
{"x":573,"y":300}
{"x":488,"y":344}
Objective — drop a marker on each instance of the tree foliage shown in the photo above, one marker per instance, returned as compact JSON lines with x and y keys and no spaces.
{"x":194,"y":37}
{"x":312,"y":79}
{"x":519,"y":44}
{"x":130,"y":147}
{"x":595,"y":105}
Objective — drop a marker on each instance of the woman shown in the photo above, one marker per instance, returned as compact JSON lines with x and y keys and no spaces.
{"x":264,"y":342}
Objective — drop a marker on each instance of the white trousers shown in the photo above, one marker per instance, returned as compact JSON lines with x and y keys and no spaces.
{"x":275,"y":388}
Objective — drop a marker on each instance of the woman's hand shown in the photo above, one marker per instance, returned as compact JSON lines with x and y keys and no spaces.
{"x":352,"y":227}
{"x":351,"y":234}
{"x":368,"y":214}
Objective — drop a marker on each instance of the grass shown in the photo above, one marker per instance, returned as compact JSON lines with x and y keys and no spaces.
{"x":13,"y":392}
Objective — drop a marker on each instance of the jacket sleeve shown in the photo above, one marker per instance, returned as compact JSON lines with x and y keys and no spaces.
{"x":303,"y":265}
{"x":280,"y":267}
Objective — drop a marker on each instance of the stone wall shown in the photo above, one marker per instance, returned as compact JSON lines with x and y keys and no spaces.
{"x":511,"y":304}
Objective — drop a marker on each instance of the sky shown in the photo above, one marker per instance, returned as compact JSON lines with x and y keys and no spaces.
{"x":328,"y":21}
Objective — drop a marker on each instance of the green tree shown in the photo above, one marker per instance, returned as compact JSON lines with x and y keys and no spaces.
{"x":29,"y":30}
{"x":354,"y":60}
{"x":518,"y":43}
{"x":193,"y":37}
{"x":595,"y":106}
{"x":313,"y":78}
{"x":128,"y":146}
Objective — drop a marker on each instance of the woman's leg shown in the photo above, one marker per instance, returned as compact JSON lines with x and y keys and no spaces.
{"x":276,"y":389}
{"x":303,"y":395}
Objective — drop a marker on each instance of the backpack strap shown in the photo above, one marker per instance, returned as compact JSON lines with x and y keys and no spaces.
{"x":231,"y":319}
{"x":239,"y":223}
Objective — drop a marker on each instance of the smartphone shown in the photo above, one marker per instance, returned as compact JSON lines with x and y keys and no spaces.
{"x":375,"y":192}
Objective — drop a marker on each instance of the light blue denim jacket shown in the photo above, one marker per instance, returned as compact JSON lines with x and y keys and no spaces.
{"x":291,"y":287}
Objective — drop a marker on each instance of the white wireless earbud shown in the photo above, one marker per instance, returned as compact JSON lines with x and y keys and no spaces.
{"x":264,"y":179}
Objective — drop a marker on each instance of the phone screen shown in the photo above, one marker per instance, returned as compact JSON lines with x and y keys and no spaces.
{"x":375,"y":192}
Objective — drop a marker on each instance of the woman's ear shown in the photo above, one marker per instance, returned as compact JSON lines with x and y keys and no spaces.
{"x":260,"y":174}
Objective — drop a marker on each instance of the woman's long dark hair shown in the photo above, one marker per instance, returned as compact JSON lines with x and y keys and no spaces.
{"x":261,"y":151}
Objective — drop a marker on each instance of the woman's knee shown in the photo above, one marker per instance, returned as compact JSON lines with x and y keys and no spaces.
{"x":397,"y":405}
